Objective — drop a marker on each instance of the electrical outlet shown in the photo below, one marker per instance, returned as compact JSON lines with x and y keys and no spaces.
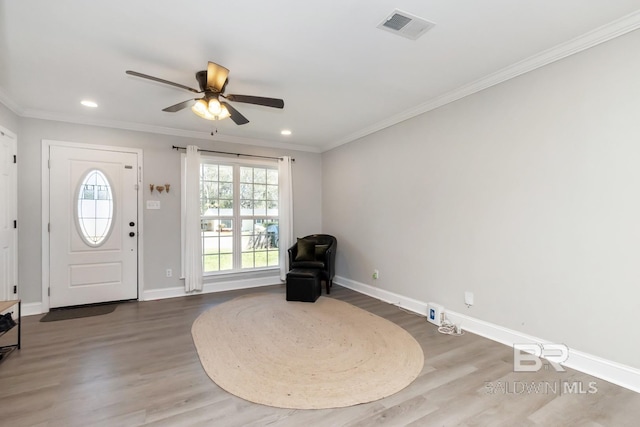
{"x":468,"y":298}
{"x":376,"y":274}
{"x":169,"y":272}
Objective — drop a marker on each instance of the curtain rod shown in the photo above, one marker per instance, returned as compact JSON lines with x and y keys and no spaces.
{"x":232,"y":154}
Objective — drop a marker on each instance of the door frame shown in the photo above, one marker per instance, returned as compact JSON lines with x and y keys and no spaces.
{"x":13,"y":195}
{"x":46,"y":145}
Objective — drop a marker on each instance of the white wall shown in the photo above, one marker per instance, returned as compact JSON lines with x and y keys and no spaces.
{"x":8,"y":119}
{"x":161,"y":166}
{"x":527,"y":194}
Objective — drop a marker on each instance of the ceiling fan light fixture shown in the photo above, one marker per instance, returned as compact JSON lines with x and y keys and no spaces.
{"x":214,"y":106}
{"x":224,"y":113}
{"x":212,"y":83}
{"x":202,"y":109}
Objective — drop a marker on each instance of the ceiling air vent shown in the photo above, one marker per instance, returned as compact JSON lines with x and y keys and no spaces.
{"x":405,"y":24}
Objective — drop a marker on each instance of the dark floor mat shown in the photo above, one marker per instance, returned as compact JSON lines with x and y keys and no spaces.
{"x":78,"y":312}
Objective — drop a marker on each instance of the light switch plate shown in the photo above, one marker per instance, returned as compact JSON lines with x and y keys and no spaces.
{"x":153,"y":204}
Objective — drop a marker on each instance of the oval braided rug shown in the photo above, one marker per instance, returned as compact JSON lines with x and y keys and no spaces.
{"x":327,"y":354}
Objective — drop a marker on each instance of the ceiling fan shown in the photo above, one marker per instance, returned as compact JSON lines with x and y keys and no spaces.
{"x":212,"y":83}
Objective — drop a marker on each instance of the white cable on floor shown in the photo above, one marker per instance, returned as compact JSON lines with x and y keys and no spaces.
{"x":449,"y":328}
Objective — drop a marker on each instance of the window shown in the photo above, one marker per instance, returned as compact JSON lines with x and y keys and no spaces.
{"x":94,"y":212}
{"x":239,"y":215}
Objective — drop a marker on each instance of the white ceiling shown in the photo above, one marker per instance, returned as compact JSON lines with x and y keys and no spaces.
{"x":340,"y":77}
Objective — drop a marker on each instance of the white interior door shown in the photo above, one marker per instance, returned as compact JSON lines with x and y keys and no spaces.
{"x":7,"y":216}
{"x":93,"y":218}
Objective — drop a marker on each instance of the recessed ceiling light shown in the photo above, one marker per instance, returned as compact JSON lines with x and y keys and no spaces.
{"x":87,"y":103}
{"x":285,"y":132}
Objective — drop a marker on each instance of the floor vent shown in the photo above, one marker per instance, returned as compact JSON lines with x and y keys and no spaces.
{"x":406,"y":25}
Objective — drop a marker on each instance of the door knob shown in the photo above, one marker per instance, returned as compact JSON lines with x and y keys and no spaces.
{"x":132,"y":234}
{"x":131,"y":224}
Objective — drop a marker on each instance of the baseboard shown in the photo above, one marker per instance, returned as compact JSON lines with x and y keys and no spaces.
{"x":411,"y":304}
{"x":31,"y":309}
{"x":616,"y":373}
{"x":156,"y":294}
{"x":221,"y":286}
{"x":35,"y":308}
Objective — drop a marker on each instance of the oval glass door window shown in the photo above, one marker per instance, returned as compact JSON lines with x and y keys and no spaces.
{"x":95,"y":208}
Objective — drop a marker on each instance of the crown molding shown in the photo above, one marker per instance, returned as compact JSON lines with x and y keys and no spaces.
{"x":593,"y":38}
{"x":139,"y":127}
{"x":9,"y":103}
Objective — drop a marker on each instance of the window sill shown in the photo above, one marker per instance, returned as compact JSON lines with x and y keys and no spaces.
{"x":232,"y":275}
{"x":240,"y":273}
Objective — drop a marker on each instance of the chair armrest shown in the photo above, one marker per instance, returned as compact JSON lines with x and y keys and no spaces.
{"x":330,"y":261}
{"x":293,"y":252}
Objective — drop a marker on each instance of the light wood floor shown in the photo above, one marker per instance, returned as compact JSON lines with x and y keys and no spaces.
{"x":138,"y":366}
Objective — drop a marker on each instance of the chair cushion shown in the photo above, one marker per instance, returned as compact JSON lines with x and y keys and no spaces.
{"x":306,"y":250}
{"x":303,"y":273}
{"x":307,"y":264}
{"x":320,"y":250}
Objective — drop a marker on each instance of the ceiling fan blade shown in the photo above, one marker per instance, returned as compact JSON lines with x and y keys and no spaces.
{"x":258,"y":100}
{"x":180,"y":106}
{"x":237,"y":118}
{"x":216,"y":77}
{"x":156,"y":79}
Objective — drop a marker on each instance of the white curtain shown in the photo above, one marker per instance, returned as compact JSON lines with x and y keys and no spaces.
{"x":193,"y":236}
{"x":285,"y":221}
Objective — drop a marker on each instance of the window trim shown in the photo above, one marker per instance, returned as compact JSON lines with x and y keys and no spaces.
{"x":237,"y":217}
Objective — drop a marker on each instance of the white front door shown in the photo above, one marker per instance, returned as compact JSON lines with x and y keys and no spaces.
{"x":93,"y":219}
{"x":7,"y":216}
